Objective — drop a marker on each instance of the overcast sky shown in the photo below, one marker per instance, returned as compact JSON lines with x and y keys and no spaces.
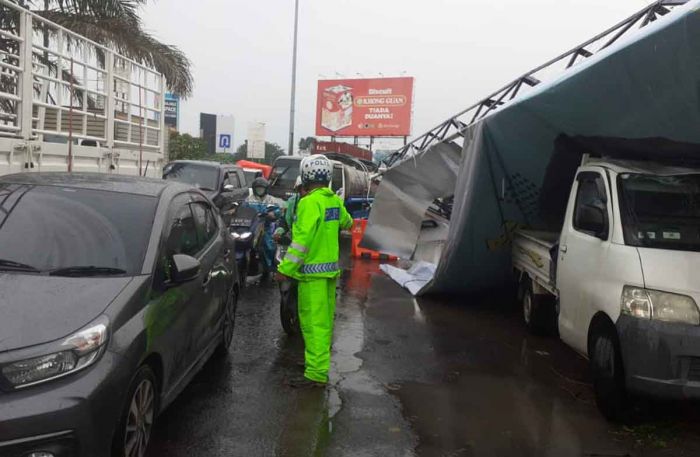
{"x":457,"y":50}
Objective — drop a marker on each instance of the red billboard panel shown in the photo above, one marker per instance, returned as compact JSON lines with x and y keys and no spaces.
{"x":364,"y":107}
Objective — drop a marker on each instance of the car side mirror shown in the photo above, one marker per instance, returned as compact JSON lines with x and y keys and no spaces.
{"x":184,"y":268}
{"x":594,"y":220}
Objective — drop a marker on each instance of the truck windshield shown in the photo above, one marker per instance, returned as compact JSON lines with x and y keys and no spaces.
{"x":661,"y":211}
{"x":69,"y":231}
{"x":285,"y":173}
{"x":204,"y":177}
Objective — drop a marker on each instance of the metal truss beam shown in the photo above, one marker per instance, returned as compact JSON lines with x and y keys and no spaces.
{"x":452,"y":129}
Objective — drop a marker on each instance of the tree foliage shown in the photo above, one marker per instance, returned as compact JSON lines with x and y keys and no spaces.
{"x":115,"y":23}
{"x":186,"y":147}
{"x":306,"y":144}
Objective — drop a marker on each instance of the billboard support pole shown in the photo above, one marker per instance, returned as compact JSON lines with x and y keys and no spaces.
{"x":294,"y":79}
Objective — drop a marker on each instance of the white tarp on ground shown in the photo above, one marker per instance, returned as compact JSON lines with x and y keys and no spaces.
{"x":515,"y":165}
{"x":414,"y":278}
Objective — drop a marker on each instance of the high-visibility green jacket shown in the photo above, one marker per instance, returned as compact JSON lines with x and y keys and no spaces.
{"x":314,"y":251}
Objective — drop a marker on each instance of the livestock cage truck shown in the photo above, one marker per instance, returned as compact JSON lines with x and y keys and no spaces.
{"x":70,"y":104}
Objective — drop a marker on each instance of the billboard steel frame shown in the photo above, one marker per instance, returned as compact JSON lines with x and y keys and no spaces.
{"x":452,"y":130}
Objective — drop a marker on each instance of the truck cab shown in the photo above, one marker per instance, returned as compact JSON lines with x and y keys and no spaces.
{"x":624,"y":278}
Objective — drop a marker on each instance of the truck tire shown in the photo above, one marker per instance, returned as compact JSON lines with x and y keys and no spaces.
{"x":537,"y":310}
{"x":608,"y":375}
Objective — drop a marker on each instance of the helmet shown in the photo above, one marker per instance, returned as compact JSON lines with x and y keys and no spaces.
{"x":316,"y":169}
{"x":260,"y":182}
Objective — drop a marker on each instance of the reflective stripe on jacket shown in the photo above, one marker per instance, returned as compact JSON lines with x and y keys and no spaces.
{"x":314,"y":251}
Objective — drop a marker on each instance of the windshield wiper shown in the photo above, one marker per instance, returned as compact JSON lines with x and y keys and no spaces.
{"x":278,"y":176}
{"x":10,"y":265}
{"x":87,"y":271}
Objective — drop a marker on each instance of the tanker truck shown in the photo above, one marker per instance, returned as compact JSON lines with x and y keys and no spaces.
{"x":354,"y":184}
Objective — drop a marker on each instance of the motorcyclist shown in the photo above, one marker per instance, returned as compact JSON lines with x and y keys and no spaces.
{"x":284,"y":231}
{"x":262,"y":201}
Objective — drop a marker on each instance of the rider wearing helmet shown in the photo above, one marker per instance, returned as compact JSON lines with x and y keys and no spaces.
{"x":284,"y":231}
{"x":312,"y":259}
{"x":262,"y":201}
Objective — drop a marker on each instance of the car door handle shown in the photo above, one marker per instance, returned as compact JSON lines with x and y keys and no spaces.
{"x":206,"y":280}
{"x":563,"y":249}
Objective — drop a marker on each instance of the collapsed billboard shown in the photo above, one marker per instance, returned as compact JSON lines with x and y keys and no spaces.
{"x":642,"y":90}
{"x":378,"y":107}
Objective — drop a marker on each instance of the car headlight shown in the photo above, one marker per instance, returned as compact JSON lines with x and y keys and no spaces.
{"x":245,"y":236}
{"x":660,"y":306}
{"x":75,"y":353}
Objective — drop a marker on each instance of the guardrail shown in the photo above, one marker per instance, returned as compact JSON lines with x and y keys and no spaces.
{"x":56,"y":85}
{"x":453,"y":128}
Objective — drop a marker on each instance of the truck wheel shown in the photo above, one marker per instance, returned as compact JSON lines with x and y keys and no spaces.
{"x":608,"y":374}
{"x":534,"y":310}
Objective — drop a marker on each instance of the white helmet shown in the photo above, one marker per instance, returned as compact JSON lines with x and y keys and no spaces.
{"x":316,"y":169}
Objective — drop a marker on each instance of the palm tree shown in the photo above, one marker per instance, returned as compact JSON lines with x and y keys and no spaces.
{"x":116,"y":23}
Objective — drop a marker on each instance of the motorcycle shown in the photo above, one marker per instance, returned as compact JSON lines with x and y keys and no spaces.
{"x":289,"y":298}
{"x":248,"y":227}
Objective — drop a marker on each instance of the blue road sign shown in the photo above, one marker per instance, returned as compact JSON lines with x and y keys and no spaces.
{"x":225,"y":141}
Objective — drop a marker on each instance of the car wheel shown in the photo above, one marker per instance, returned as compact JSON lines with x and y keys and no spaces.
{"x":229,"y":322}
{"x":608,"y":374}
{"x":138,"y":416}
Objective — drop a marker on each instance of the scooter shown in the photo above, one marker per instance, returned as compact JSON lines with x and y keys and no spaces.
{"x":289,"y":298}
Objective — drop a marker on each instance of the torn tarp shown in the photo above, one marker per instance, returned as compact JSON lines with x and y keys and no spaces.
{"x":414,"y":278}
{"x":643,"y":86}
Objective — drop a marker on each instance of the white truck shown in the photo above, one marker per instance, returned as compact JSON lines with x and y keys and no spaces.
{"x":69,"y":104}
{"x":620,"y":282}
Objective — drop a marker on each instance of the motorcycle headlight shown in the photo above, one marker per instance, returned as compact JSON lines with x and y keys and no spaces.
{"x":77,"y":352}
{"x":660,"y":306}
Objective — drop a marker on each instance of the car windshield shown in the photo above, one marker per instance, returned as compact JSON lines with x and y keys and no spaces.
{"x":71,"y":231}
{"x":250,"y":176}
{"x":204,"y":177}
{"x":285,"y":173}
{"x":661,"y":211}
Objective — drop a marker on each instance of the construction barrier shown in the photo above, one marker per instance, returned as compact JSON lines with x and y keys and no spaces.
{"x":358,"y":231}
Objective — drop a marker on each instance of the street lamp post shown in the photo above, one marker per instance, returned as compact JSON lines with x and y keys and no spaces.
{"x":294,"y":79}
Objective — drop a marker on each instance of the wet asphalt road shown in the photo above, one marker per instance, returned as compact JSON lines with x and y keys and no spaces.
{"x":427,"y":377}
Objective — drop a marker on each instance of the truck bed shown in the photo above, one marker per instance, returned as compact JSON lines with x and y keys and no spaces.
{"x":531,"y":255}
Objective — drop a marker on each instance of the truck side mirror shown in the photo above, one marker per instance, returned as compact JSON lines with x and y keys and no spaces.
{"x":593,"y":219}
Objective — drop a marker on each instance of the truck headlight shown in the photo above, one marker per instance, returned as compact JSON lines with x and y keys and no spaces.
{"x":75,"y":353}
{"x":660,"y":306}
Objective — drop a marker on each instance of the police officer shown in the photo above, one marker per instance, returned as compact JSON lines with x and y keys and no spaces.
{"x":312,"y":259}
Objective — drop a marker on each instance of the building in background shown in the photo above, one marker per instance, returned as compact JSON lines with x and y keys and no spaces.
{"x":218,"y":132}
{"x":172,"y":111}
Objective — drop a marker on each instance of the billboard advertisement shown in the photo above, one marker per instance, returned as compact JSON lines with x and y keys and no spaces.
{"x":256,"y":140}
{"x":172,"y":111}
{"x":364,"y":107}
